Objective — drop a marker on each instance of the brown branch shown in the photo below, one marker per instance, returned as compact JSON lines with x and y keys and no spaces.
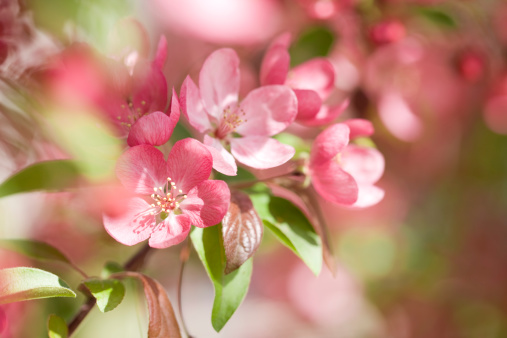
{"x":135,"y":263}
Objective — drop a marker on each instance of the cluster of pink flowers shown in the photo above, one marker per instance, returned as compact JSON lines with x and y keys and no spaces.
{"x":168,"y":196}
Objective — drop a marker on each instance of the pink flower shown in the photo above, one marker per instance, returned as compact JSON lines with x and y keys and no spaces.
{"x":175,"y":194}
{"x":344,"y":173}
{"x":312,"y":82}
{"x":137,"y":99}
{"x":213,"y":109}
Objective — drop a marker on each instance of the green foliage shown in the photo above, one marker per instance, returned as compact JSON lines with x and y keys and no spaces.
{"x":314,"y":42}
{"x":108,"y":292}
{"x":230,"y":289}
{"x":242,"y":176}
{"x":437,"y":16}
{"x":34,"y":249}
{"x":48,"y":175}
{"x":57,"y":328}
{"x":297,"y":142}
{"x":18,"y":284}
{"x":110,"y":268}
{"x":291,"y":227}
{"x":180,"y":132}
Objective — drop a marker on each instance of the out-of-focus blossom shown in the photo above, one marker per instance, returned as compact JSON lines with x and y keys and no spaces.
{"x":213,"y":108}
{"x":132,"y":95}
{"x":344,"y":173}
{"x":243,"y":22}
{"x":400,"y":77}
{"x":312,"y":82}
{"x":324,"y":9}
{"x":387,"y":31}
{"x":179,"y":191}
{"x":495,"y":110}
{"x":471,"y":65}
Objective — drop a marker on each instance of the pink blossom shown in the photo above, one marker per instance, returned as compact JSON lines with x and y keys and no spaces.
{"x":137,"y":99}
{"x":132,"y":96}
{"x":345,"y":173}
{"x":174,"y":194}
{"x":312,"y":82}
{"x":213,"y":109}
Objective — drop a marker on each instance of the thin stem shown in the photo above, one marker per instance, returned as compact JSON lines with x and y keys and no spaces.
{"x":83,"y":312}
{"x":184,"y":255}
{"x":81,"y":272}
{"x":133,"y":264}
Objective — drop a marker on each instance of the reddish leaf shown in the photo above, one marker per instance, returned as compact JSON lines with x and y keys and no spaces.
{"x":163,"y":323}
{"x":242,"y":231}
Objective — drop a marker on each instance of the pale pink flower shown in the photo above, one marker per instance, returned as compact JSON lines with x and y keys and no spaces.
{"x":245,"y":22}
{"x":312,"y":82}
{"x":174,"y":194}
{"x":213,"y":109}
{"x":345,"y":173}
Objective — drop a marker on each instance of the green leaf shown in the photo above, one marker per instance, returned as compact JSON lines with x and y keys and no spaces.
{"x":47,"y":175}
{"x":296,"y":142}
{"x":34,"y":249}
{"x":108,"y":292}
{"x":315,"y":42}
{"x":110,"y":268}
{"x":18,"y":284}
{"x":243,"y":175}
{"x":230,"y":289}
{"x":438,"y":17}
{"x":57,"y":328}
{"x":291,"y":227}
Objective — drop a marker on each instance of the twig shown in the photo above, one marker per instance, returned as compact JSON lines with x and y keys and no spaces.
{"x":133,"y":264}
{"x":184,"y":255}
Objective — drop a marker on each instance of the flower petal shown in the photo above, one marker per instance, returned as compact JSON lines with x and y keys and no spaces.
{"x":261,"y":152}
{"x":329,"y":143}
{"x":154,"y":129}
{"x":334,"y":184}
{"x":189,"y":163}
{"x":174,"y":110}
{"x":161,"y":54}
{"x":275,"y":66}
{"x":325,"y":115}
{"x":316,"y":74}
{"x":219,"y":81}
{"x":268,"y":110}
{"x":399,"y":118}
{"x":368,"y":196}
{"x":192,"y":106}
{"x":359,"y":128}
{"x":223,"y":161}
{"x":309,"y":104}
{"x":134,"y":225}
{"x":150,"y":89}
{"x":366,"y":165}
{"x":207,"y":204}
{"x":141,"y":168}
{"x":173,"y":230}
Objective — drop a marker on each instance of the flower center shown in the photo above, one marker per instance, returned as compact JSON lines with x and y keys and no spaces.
{"x":166,"y":199}
{"x":230,"y":121}
{"x":132,"y":114}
